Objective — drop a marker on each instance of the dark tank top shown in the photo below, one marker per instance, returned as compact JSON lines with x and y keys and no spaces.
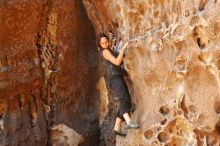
{"x":110,"y":68}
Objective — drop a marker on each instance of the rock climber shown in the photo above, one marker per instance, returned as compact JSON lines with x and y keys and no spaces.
{"x":112,"y":61}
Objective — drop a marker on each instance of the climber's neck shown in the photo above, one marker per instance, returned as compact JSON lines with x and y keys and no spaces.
{"x":111,"y":49}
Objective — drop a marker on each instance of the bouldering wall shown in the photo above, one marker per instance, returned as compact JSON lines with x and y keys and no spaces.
{"x":48,"y":74}
{"x":173,"y":64}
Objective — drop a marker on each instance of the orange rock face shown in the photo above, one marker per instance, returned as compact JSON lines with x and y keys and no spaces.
{"x":47,"y":72}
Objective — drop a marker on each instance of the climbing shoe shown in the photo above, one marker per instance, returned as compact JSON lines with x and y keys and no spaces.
{"x":132,"y":125}
{"x":120,"y":133}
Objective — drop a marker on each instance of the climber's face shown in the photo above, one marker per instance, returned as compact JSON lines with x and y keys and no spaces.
{"x":104,"y":43}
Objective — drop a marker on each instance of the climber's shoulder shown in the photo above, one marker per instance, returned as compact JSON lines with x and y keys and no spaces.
{"x":107,"y":53}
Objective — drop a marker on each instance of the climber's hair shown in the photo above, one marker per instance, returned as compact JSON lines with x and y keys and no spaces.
{"x":98,"y":39}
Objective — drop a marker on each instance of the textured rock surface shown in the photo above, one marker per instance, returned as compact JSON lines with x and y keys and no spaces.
{"x":173,"y":65}
{"x":47,"y":71}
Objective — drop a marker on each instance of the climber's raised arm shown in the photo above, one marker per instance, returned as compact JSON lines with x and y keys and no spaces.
{"x":117,"y":61}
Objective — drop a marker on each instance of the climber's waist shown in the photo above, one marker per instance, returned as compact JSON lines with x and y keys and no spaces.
{"x":114,"y":70}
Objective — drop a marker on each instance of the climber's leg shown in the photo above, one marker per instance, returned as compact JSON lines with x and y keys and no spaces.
{"x":118,"y":123}
{"x":120,"y":116}
{"x":117,"y":128}
{"x":119,"y":87}
{"x":127,"y":117}
{"x":124,"y":103}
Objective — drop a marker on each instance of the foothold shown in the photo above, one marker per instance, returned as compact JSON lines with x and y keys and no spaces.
{"x":181,"y":74}
{"x":218,"y":63}
{"x":187,"y":13}
{"x":164,"y":122}
{"x":141,"y":8}
{"x":1,"y":115}
{"x":155,"y":142}
{"x":205,"y":56}
{"x":200,"y":43}
{"x":217,"y":127}
{"x":211,"y":140}
{"x":1,"y":124}
{"x":217,"y":28}
{"x":217,"y":107}
{"x":163,"y":137}
{"x":180,"y":63}
{"x":154,"y":46}
{"x":201,"y":37}
{"x":179,"y":112}
{"x":33,"y":123}
{"x":200,"y":135}
{"x":175,"y":113}
{"x":202,"y":118}
{"x":208,"y":128}
{"x":198,"y":20}
{"x":164,"y":110}
{"x":183,"y":105}
{"x":21,"y":101}
{"x":192,"y":109}
{"x":159,"y":128}
{"x":202,"y":4}
{"x":148,"y":134}
{"x":3,"y":108}
{"x":46,"y":108}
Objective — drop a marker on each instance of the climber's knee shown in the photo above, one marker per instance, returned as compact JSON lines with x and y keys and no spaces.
{"x":120,"y":116}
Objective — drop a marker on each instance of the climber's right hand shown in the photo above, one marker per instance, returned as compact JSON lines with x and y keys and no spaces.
{"x":125,"y":46}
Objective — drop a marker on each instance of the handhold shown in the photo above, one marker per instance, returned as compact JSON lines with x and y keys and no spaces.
{"x":201,"y":37}
{"x":148,"y":134}
{"x":217,"y":107}
{"x":192,"y":109}
{"x":202,"y":4}
{"x":205,"y":56}
{"x":164,"y":110}
{"x":211,"y":140}
{"x":183,"y":105}
{"x":163,"y":137}
{"x":217,"y":127}
{"x":164,"y":122}
{"x":217,"y":28}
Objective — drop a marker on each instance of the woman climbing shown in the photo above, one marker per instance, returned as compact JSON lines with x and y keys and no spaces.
{"x":112,"y":61}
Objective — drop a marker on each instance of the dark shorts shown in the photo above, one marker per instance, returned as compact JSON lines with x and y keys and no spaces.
{"x":117,"y":84}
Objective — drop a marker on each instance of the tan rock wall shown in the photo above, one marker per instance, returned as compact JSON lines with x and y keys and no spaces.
{"x":173,"y":61}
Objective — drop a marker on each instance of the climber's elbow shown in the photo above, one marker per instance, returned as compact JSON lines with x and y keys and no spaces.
{"x":118,"y":63}
{"x":115,"y":62}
